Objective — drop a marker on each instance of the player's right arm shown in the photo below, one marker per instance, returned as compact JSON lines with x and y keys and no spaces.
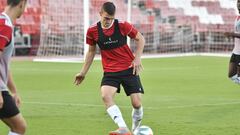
{"x":88,"y":61}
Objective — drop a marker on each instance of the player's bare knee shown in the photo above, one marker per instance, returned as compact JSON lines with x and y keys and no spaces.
{"x":136,"y":105}
{"x":20,"y":128}
{"x":108,"y":100}
{"x":24,"y":127}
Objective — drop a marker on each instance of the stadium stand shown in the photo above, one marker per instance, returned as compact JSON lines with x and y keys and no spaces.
{"x":161,"y":21}
{"x":206,"y":20}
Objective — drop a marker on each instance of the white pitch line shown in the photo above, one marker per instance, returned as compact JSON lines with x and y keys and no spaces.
{"x":146,"y":56}
{"x":148,"y":108}
{"x":203,"y":105}
{"x":63,"y":104}
{"x":86,"y":105}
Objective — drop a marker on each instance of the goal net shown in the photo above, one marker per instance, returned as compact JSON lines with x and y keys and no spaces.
{"x":62,"y":28}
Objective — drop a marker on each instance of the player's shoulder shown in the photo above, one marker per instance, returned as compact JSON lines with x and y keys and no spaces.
{"x":4,"y":21}
{"x":93,"y":26}
{"x":121,"y":21}
{"x":92,"y":30}
{"x":124,"y":23}
{"x":4,"y":26}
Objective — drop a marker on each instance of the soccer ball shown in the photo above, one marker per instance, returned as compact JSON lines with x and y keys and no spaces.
{"x":143,"y":130}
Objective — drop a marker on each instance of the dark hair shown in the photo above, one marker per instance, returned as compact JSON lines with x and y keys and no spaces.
{"x":13,"y":3}
{"x":109,"y":7}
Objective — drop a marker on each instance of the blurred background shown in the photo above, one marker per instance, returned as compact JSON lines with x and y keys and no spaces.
{"x":56,"y":27}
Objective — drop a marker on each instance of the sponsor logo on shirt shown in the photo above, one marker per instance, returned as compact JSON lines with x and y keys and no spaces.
{"x":110,"y":41}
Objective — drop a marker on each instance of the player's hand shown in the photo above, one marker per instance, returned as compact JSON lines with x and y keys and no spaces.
{"x":137,"y":66}
{"x":17,"y":99}
{"x":1,"y":100}
{"x":79,"y":78}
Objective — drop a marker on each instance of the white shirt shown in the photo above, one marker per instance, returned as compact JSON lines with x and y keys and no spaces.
{"x":236,"y":49}
{"x":6,"y":55}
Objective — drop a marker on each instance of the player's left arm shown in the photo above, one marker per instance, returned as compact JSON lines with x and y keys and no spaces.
{"x":133,"y":33}
{"x":12,"y":87}
{"x":137,"y":64}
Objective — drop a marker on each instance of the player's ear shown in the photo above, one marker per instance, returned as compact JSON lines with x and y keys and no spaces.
{"x":22,"y":4}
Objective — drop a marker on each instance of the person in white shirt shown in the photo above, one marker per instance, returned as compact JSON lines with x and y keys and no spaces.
{"x":234,"y":64}
{"x":9,"y":103}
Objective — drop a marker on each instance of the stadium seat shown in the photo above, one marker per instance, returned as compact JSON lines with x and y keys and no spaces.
{"x":201,"y":15}
{"x":149,"y":3}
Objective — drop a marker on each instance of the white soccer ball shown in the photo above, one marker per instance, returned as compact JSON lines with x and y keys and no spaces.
{"x":143,"y":130}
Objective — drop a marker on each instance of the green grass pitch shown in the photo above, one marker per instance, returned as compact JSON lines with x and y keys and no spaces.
{"x":183,"y":96}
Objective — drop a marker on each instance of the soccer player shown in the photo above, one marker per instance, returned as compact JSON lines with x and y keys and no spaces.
{"x":234,"y":64}
{"x":9,"y":103}
{"x":120,"y":66}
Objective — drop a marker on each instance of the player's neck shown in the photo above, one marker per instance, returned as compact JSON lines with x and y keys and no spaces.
{"x":11,"y":13}
{"x":108,"y":26}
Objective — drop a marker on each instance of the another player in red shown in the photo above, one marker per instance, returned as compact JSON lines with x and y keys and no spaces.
{"x":9,"y":112}
{"x":120,"y":65}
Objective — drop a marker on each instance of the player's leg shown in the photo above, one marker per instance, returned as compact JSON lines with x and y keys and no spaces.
{"x":16,"y":124}
{"x":238,"y":70}
{"x":137,"y":111}
{"x":237,"y":81}
{"x":133,"y":88}
{"x":11,"y":116}
{"x":108,"y":93}
{"x":110,"y":85}
{"x":233,"y":71}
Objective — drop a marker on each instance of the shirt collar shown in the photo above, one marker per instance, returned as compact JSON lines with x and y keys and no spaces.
{"x":8,"y":18}
{"x":109,"y":26}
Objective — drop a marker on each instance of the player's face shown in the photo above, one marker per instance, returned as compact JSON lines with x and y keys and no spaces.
{"x":106,"y":19}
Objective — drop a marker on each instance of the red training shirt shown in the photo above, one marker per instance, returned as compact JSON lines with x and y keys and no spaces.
{"x":116,"y":59}
{"x":5,"y":34}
